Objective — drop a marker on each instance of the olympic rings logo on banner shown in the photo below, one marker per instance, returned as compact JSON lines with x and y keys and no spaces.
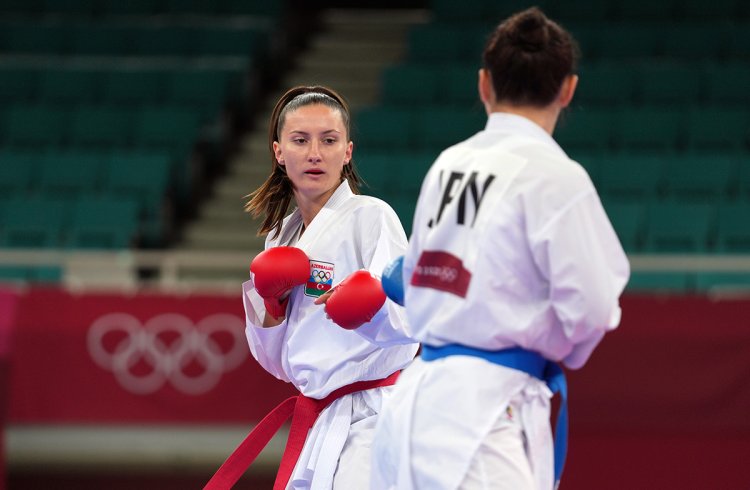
{"x":321,"y":275}
{"x":167,"y":360}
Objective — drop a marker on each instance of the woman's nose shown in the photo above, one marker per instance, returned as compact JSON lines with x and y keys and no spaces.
{"x":314,"y":153}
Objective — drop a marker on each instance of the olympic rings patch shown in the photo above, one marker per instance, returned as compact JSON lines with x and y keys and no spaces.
{"x":167,"y":348}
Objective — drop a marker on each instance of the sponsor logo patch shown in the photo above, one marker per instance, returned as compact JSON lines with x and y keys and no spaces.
{"x":321,"y":278}
{"x":442,"y":271}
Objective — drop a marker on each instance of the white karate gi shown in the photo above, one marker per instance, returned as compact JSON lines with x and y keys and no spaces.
{"x":350,"y":232}
{"x":524,"y":256}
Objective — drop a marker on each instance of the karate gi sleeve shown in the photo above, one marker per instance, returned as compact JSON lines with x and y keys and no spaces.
{"x":265,"y":344}
{"x":580,"y":255}
{"x":384,"y":240}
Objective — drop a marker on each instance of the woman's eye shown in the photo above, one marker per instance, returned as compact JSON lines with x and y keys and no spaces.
{"x":299,"y":140}
{"x":329,"y":141}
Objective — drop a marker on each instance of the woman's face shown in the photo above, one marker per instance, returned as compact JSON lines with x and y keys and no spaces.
{"x":313,"y":147}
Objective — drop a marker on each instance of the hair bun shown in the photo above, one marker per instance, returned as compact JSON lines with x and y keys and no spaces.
{"x":530,"y":31}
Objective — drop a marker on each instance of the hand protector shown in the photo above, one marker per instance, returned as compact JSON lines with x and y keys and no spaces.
{"x":275,"y":272}
{"x":393,"y":280}
{"x":356,"y":300}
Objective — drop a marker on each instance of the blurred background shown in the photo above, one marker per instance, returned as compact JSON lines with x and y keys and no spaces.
{"x":130,"y":132}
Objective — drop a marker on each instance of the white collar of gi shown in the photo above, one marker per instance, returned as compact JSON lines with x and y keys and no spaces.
{"x":504,"y":121}
{"x":339,"y":196}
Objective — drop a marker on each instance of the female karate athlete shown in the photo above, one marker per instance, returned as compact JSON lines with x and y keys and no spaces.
{"x":342,"y":374}
{"x":512,"y":264}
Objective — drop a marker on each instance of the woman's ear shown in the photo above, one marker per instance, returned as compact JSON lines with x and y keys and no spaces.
{"x":567,"y":90}
{"x":348,"y":154}
{"x":277,"y":153}
{"x":486,"y":92}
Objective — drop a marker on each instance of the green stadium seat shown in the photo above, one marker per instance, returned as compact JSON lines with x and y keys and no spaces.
{"x":163,"y":41}
{"x":70,"y":7}
{"x":700,"y":10}
{"x":383,"y":129}
{"x":457,"y":84}
{"x":437,"y":127}
{"x":145,"y":178}
{"x":706,"y":177}
{"x":718,"y":128}
{"x":645,"y":11}
{"x":35,"y":126}
{"x":680,"y":227}
{"x":21,"y":7}
{"x":632,"y":175}
{"x":404,"y":205}
{"x":131,"y":7}
{"x":68,"y":86}
{"x":202,"y":90}
{"x":411,"y":170}
{"x":738,"y":46}
{"x":662,"y":82}
{"x":649,"y":128}
{"x":605,"y":84}
{"x":744,"y":176}
{"x":445,"y":43}
{"x":35,"y":38}
{"x":727,"y":83}
{"x":734,"y":227}
{"x":193,"y":7}
{"x":628,"y":218}
{"x":271,"y":10}
{"x":663,"y":282}
{"x":101,"y":127}
{"x":410,"y":85}
{"x":18,"y":172}
{"x":166,"y":128}
{"x":17,"y":85}
{"x":70,"y":174}
{"x":243,"y":42}
{"x":33,"y":222}
{"x":586,"y":129}
{"x":103,"y":223}
{"x":574,"y":11}
{"x":691,"y":42}
{"x":378,"y":172}
{"x":100,"y":39}
{"x":134,"y":87}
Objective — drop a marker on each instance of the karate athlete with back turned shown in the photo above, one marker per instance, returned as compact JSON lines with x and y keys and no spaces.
{"x":330,"y":243}
{"x":512,"y":267}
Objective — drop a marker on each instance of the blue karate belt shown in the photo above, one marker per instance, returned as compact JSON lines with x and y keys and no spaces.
{"x":531,"y":363}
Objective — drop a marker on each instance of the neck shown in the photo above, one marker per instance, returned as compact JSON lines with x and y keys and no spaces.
{"x":545,"y":117}
{"x":309,"y":207}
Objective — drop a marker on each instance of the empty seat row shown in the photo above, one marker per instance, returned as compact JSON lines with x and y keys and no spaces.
{"x":259,"y":8}
{"x":99,"y":126}
{"x":464,"y":42}
{"x":96,"y":38}
{"x":692,"y":176}
{"x":605,"y":129}
{"x":103,"y":222}
{"x":675,"y":226}
{"x":202,"y":89}
{"x":607,"y":10}
{"x":607,"y":83}
{"x":654,"y":128}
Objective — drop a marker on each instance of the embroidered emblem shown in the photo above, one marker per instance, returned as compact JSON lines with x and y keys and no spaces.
{"x":321,"y":278}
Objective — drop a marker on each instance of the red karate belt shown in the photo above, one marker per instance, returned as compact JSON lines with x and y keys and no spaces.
{"x":303,"y":411}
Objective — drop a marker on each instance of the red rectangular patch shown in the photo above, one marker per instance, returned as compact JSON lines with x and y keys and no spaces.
{"x":442,"y":271}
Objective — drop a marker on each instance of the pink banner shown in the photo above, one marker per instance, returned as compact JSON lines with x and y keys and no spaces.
{"x":146,"y":358}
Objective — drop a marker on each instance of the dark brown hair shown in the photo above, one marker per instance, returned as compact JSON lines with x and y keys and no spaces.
{"x":272,"y":199}
{"x":528,"y":56}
